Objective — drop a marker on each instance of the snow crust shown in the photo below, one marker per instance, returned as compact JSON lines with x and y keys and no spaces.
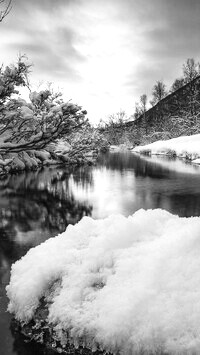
{"x":130,"y":284}
{"x":185,"y":147}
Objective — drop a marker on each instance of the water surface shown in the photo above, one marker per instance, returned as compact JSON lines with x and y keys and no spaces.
{"x":37,"y":205}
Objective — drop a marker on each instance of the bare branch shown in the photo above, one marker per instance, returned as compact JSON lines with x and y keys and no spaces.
{"x":7,"y":10}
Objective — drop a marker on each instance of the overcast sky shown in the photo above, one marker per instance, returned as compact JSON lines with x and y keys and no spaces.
{"x":104,"y":54}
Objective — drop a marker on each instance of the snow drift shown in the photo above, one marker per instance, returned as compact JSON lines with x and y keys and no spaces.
{"x":184,"y":147}
{"x":129,"y":284}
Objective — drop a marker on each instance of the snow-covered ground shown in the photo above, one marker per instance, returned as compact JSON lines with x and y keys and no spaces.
{"x":184,"y":147}
{"x":130,"y":284}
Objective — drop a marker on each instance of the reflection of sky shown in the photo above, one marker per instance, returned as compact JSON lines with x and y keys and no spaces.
{"x":112,"y":192}
{"x":115,"y":192}
{"x":168,"y":184}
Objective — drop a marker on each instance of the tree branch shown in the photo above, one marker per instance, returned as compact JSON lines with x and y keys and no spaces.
{"x":7,"y":10}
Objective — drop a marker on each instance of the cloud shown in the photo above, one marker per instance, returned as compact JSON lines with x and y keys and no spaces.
{"x":108,"y":51}
{"x":47,"y":42}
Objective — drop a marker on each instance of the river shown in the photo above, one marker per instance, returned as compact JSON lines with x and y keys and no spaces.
{"x":37,"y":205}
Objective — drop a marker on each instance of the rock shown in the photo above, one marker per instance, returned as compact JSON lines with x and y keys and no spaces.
{"x":64,"y":158}
{"x":50,"y":162}
{"x":27,"y":160}
{"x":17,"y":164}
{"x":26,"y":112}
{"x":42,"y":154}
{"x":32,"y":159}
{"x":5,"y":162}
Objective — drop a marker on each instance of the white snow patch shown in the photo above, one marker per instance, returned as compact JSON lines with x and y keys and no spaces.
{"x":196,"y":161}
{"x":185,"y":147}
{"x":130,"y":284}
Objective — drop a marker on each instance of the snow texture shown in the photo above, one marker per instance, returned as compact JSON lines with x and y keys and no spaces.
{"x":184,"y":147}
{"x":130,"y":284}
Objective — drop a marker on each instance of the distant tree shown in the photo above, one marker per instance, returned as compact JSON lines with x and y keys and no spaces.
{"x":159,"y":92}
{"x":86,"y":140}
{"x":143,"y":101}
{"x":117,"y":118}
{"x":138,"y":111}
{"x":190,"y":70}
{"x":177,"y":84}
{"x":101,"y":124}
{"x":115,"y":129}
{"x":7,"y":6}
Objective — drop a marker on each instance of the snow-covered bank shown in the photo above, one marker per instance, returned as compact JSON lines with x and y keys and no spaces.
{"x":55,"y":154}
{"x":184,"y":147}
{"x":129,"y":284}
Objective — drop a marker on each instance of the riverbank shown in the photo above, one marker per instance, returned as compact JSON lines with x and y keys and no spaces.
{"x":55,"y":154}
{"x":186,"y":147}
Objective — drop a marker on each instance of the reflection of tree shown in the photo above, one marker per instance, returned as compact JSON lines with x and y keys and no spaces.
{"x":126,"y":160}
{"x":83,"y":177}
{"x":168,"y":184}
{"x":38,"y":202}
{"x":34,"y":207}
{"x":7,"y":246}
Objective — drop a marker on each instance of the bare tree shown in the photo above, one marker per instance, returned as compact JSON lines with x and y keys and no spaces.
{"x":118,"y":118}
{"x":6,"y":10}
{"x":138,"y":111}
{"x":159,"y":92}
{"x":143,"y":101}
{"x":177,"y":84}
{"x":190,"y":70}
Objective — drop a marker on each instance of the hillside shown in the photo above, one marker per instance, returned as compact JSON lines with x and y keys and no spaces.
{"x":176,"y":115}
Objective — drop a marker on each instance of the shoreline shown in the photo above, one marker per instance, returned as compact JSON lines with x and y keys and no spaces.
{"x":183,"y":147}
{"x":185,"y":159}
{"x":14,"y":163}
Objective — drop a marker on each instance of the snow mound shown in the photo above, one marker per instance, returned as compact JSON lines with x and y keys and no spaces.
{"x":131,"y":284}
{"x":185,"y":147}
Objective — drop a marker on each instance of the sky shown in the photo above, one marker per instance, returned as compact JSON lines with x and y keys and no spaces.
{"x":103,"y":54}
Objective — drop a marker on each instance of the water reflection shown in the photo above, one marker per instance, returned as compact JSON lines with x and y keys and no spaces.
{"x":37,"y":205}
{"x":125,"y":182}
{"x":33,"y":207}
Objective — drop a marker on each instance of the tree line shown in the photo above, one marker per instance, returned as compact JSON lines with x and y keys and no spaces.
{"x":191,"y":70}
{"x":178,"y":114}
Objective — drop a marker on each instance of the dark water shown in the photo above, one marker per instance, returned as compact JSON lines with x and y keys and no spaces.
{"x":37,"y":205}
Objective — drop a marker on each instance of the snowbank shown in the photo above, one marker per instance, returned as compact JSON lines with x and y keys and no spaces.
{"x":129,"y":284}
{"x":184,"y":147}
